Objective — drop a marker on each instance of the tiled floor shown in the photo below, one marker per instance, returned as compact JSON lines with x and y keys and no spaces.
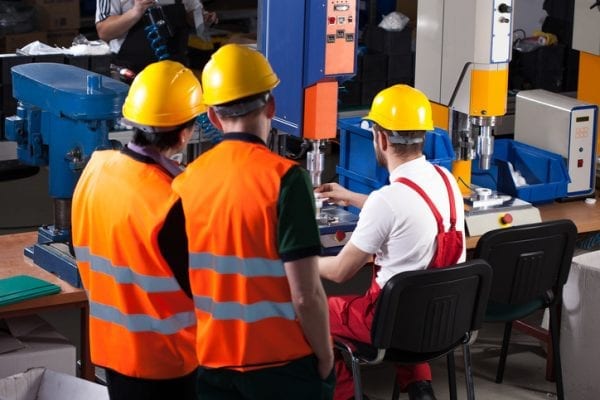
{"x":524,"y":377}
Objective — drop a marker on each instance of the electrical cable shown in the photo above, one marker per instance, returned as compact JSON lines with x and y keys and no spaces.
{"x":303,"y":149}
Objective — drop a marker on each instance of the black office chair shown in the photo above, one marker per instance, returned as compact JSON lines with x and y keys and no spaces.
{"x":531,"y":264}
{"x":423,"y":315}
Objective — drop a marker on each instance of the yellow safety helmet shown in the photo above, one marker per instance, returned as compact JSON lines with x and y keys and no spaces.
{"x":401,"y":108}
{"x":235,"y":72}
{"x":163,"y":96}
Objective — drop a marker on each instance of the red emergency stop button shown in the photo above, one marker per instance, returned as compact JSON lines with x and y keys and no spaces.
{"x":506,"y":219}
{"x":340,"y":235}
{"x":331,"y":20}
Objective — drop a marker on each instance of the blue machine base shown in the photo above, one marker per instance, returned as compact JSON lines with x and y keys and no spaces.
{"x":342,"y":221}
{"x":55,"y":261}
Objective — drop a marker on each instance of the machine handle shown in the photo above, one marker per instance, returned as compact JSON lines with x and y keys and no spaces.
{"x":596,"y":4}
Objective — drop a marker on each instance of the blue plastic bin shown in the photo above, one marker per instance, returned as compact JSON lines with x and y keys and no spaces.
{"x":358,"y":156}
{"x":357,"y":183}
{"x":545,"y":172}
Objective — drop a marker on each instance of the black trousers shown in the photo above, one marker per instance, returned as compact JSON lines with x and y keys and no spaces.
{"x":122,"y":387}
{"x":297,"y":380}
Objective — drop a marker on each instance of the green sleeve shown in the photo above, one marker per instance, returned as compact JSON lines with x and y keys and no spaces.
{"x":297,"y":231}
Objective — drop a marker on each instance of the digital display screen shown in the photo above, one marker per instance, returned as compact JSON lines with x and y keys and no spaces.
{"x":341,"y":7}
{"x":582,"y":119}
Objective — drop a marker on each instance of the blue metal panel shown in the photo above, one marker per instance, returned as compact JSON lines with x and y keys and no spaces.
{"x":63,"y":90}
{"x":314,"y":46}
{"x":282,"y":42}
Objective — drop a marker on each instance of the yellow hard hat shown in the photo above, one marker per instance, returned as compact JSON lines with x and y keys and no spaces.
{"x":163,"y":96}
{"x":401,"y":108}
{"x":235,"y":72}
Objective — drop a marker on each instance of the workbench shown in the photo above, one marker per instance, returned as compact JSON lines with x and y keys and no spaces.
{"x":13,"y":262}
{"x":585,"y":216}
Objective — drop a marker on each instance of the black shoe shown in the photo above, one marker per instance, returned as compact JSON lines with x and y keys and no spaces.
{"x":420,"y":390}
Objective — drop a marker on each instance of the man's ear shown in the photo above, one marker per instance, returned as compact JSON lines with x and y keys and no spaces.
{"x":186,"y":134}
{"x":381,"y":138}
{"x":214,"y":119}
{"x":270,"y":107}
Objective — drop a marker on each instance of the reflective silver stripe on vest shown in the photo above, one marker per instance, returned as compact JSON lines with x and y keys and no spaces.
{"x":247,"y":313}
{"x":124,"y":275}
{"x":249,"y":267}
{"x":143,"y":323}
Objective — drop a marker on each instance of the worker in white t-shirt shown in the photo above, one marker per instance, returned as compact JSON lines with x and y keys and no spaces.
{"x":122,"y":23}
{"x":395,"y":224}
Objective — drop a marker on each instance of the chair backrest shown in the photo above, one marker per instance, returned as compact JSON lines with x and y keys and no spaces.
{"x":431,"y":311}
{"x":528,"y":260}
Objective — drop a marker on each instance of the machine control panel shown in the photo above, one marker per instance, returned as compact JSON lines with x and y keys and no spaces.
{"x":335,"y":227}
{"x":338,"y":238}
{"x":340,"y":37}
{"x":479,"y":223}
{"x":562,"y":125}
{"x":501,"y":31}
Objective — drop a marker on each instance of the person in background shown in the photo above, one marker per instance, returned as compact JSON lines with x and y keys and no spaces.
{"x":131,"y":247}
{"x":121,"y":23}
{"x":253,"y":243}
{"x":395,"y":223}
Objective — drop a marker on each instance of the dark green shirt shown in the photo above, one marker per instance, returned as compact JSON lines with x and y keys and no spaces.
{"x":297,"y":231}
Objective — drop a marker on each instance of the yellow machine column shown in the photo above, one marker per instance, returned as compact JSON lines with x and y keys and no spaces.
{"x":462,"y":55}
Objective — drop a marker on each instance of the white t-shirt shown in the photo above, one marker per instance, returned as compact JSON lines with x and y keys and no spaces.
{"x":106,"y":8}
{"x":397,"y":225}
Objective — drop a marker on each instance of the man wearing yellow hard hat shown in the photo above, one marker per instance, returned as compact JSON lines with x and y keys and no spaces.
{"x":263,"y":328}
{"x":131,"y":247}
{"x":396,"y":224}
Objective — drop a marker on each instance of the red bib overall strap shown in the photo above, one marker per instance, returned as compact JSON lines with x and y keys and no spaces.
{"x":449,"y":244}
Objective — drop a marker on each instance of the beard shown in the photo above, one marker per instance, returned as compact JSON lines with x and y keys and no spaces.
{"x":380,"y":157}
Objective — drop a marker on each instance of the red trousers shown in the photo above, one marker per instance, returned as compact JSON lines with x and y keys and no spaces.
{"x":352,"y":317}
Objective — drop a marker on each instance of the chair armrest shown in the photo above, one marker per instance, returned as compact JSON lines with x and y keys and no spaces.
{"x":471,"y":337}
{"x":370,"y":357}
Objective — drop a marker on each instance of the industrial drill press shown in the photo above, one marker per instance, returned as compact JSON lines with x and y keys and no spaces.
{"x":64,"y":114}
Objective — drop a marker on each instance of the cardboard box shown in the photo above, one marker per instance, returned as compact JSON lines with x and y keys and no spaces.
{"x":54,"y":15}
{"x":29,"y":342}
{"x":45,"y":384}
{"x":10,"y":43}
{"x":62,"y":38}
{"x":580,"y":327}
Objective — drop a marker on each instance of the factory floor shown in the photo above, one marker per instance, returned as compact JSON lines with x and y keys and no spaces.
{"x":524,"y":377}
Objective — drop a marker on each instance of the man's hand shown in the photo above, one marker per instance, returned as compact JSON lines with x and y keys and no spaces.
{"x":210,"y":18}
{"x":325,"y":366}
{"x":335,"y":193}
{"x":140,"y":6}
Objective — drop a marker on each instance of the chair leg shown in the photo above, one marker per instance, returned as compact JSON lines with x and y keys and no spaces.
{"x":468,"y":372}
{"x":450,"y":364}
{"x":503,"y":352}
{"x":396,"y":391}
{"x":554,"y":333}
{"x":356,"y":377}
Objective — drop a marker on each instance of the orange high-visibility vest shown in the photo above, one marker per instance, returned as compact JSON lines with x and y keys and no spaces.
{"x":141,"y":322}
{"x":246,"y":319}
